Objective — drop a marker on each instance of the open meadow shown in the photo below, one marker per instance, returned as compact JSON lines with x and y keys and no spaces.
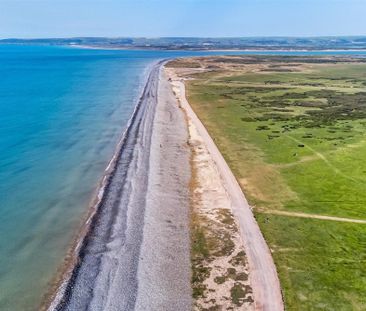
{"x":293,"y":130}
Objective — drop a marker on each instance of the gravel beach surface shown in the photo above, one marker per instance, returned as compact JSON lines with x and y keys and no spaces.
{"x":136,"y":255}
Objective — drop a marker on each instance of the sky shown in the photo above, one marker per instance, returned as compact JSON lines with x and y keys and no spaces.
{"x":187,"y":18}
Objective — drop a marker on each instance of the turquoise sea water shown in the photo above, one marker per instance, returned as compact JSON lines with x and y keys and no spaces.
{"x":62,"y":111}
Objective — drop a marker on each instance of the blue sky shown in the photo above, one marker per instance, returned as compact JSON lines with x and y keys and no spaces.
{"x":154,"y":18}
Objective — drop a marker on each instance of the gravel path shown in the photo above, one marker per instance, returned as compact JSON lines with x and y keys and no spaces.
{"x":262,"y":271}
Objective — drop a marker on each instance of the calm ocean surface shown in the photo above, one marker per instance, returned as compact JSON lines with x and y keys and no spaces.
{"x":62,"y":111}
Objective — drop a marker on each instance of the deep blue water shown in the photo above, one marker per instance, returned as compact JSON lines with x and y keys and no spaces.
{"x":62,"y":111}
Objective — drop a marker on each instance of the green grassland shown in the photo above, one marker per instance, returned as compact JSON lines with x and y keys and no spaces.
{"x":296,"y":140}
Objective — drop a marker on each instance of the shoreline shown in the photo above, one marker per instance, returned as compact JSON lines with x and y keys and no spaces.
{"x":133,"y":251}
{"x":59,"y":286}
{"x":122,"y":257}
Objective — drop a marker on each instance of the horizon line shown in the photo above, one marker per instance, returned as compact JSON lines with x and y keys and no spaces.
{"x":185,"y":37}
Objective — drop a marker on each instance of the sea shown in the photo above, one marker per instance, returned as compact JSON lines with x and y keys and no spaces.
{"x":62,"y":113}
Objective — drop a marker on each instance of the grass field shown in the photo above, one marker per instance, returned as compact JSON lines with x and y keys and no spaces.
{"x":293,"y":131}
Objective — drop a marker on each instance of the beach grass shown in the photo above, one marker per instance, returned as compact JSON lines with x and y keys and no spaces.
{"x":296,"y":141}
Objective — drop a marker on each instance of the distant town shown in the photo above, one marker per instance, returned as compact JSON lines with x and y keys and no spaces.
{"x":178,"y":43}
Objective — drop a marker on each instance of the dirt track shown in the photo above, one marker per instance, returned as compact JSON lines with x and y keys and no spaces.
{"x":315,"y":216}
{"x":262,"y":271}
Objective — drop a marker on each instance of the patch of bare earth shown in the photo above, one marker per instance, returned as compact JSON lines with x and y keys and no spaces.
{"x":219,"y":265}
{"x":225,"y":66}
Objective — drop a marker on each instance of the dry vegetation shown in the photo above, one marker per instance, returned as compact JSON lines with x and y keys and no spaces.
{"x":219,"y":267}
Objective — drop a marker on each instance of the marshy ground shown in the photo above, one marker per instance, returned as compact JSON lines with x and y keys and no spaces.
{"x":293,"y":130}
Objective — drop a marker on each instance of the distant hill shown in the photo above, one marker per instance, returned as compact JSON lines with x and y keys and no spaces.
{"x":177,"y":43}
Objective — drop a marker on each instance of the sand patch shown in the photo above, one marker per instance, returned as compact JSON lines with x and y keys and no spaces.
{"x":219,"y":266}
